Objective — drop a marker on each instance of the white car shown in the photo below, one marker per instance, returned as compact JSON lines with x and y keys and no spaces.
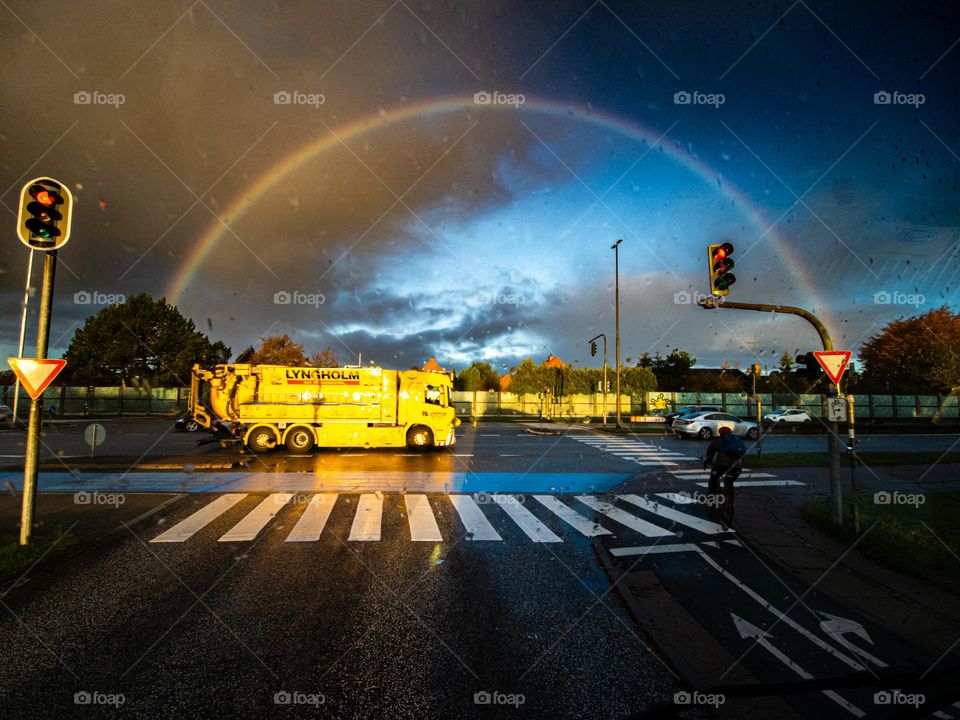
{"x":789,"y":415}
{"x":707,"y":424}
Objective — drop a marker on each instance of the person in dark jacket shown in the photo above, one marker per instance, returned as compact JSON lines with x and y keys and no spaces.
{"x":724,"y":454}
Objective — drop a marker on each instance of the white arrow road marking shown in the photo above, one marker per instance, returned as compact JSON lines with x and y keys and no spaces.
{"x":780,"y":616}
{"x":835,"y":626}
{"x":314,"y":518}
{"x":749,"y":630}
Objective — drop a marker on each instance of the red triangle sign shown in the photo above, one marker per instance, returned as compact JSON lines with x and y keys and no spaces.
{"x":36,"y":374}
{"x":833,"y":362}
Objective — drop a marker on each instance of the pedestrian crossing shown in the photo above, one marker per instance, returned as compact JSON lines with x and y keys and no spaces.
{"x":635,"y":450}
{"x":485,"y":517}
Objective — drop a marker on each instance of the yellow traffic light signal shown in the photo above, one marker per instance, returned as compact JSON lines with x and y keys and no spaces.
{"x":43,"y":220}
{"x":719,"y":265}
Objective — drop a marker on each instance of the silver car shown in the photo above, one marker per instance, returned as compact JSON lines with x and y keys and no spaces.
{"x":707,"y":424}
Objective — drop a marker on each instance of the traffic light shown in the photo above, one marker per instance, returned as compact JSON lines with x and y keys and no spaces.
{"x":719,"y":263}
{"x":593,"y":348}
{"x":43,"y":221}
{"x":808,"y":367}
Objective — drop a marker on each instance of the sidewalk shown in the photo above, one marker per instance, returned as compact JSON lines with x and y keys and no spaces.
{"x":770,"y":520}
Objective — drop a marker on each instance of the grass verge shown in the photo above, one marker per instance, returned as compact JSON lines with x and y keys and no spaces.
{"x":905,"y":537}
{"x":15,"y":559}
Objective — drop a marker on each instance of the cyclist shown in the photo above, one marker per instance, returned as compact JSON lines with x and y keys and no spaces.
{"x":725,"y":454}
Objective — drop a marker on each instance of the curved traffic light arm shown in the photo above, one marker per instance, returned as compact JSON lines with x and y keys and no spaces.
{"x":712,"y":304}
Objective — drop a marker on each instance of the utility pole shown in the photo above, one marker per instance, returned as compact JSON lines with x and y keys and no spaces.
{"x":616,"y":265}
{"x":23,"y":332}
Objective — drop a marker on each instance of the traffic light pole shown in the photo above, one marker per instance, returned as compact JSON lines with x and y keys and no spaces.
{"x":23,"y":332}
{"x":833,"y":443}
{"x":616,"y":255}
{"x":604,"y":388}
{"x":32,"y":457}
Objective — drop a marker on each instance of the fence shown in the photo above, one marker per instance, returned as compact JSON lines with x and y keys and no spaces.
{"x":79,"y":401}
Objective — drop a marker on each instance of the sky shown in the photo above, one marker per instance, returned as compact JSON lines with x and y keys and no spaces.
{"x":401,"y":179}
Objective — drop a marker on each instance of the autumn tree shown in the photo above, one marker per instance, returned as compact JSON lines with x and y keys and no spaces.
{"x":141,"y":341}
{"x":324,"y":359}
{"x":918,"y":355}
{"x":279,"y":350}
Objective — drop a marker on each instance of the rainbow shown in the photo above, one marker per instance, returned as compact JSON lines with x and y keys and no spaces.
{"x":381,"y":120}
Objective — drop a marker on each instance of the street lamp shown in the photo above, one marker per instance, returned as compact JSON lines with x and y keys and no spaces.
{"x":616,"y":274}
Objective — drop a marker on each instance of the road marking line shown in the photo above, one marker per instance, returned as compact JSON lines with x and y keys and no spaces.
{"x":314,"y":518}
{"x":148,"y":513}
{"x":185,"y":529}
{"x":256,"y":519}
{"x":366,"y":523}
{"x":423,"y":525}
{"x":678,"y":498}
{"x":571,"y":517}
{"x":691,"y":521}
{"x":623,"y":517}
{"x":761,"y":483}
{"x":473,"y":519}
{"x":654,"y":549}
{"x":526,"y":520}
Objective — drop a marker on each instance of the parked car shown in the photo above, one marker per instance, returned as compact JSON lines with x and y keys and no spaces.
{"x":689,"y":409}
{"x":790,"y":415}
{"x":5,"y":412}
{"x":707,"y":424}
{"x":187,"y":423}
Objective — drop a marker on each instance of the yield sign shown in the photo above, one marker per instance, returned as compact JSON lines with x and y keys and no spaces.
{"x":36,"y":374}
{"x":833,"y":362}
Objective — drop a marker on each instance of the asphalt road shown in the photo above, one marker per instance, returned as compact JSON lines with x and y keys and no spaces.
{"x":487,"y":447}
{"x":402,"y":585}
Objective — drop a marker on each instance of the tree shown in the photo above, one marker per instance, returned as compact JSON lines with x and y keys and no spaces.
{"x":141,"y":341}
{"x":637,"y":381}
{"x":469,"y":379}
{"x":918,"y":355}
{"x":324,"y":359}
{"x":487,"y":378}
{"x":673,"y":370}
{"x":248,"y":352}
{"x":279,"y":350}
{"x":530,"y":378}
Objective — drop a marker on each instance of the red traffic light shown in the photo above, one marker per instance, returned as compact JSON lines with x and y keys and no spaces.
{"x":44,"y":196}
{"x":722,"y":251}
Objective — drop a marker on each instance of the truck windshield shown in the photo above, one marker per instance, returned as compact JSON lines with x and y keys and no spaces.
{"x":434,"y":395}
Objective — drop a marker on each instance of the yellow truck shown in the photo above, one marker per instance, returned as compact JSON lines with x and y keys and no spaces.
{"x":304,"y":407}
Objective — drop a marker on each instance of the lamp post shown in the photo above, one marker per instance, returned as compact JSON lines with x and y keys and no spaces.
{"x":616,"y":275}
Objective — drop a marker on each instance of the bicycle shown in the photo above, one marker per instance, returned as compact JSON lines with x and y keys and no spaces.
{"x":723,"y":503}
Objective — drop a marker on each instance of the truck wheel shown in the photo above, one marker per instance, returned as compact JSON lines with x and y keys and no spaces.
{"x":300,"y":440}
{"x":261,"y":439}
{"x":419,"y":437}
